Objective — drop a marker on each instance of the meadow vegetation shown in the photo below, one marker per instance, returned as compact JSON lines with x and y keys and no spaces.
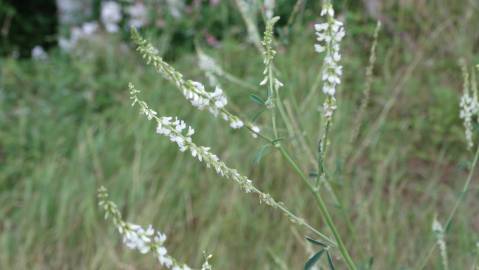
{"x":397,"y":157}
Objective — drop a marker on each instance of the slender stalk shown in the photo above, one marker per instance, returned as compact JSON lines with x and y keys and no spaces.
{"x":461,"y":197}
{"x":271,"y":94}
{"x":322,"y":151}
{"x":322,"y":208}
{"x":463,"y":192}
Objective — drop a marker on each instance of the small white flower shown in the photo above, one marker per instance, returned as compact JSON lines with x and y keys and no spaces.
{"x":318,"y":48}
{"x":65,"y":44}
{"x":138,"y":15}
{"x":89,"y":28}
{"x":111,"y":15}
{"x":256,"y":130}
{"x":237,"y":124}
{"x":166,"y":261}
{"x":329,"y":35}
{"x":38,"y":53}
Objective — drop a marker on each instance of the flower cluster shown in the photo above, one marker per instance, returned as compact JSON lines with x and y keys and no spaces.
{"x":111,"y":15}
{"x":438,"y":231}
{"x":165,"y":127}
{"x":206,"y":264}
{"x":174,"y":130}
{"x":469,"y":105}
{"x":85,"y":31}
{"x":138,"y":15}
{"x":329,"y":36}
{"x":135,"y":237}
{"x":269,"y":6}
{"x":193,"y":91}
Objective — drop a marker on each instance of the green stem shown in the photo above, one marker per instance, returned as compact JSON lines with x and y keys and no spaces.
{"x":322,"y":208}
{"x":272,"y":99}
{"x":454,"y":209}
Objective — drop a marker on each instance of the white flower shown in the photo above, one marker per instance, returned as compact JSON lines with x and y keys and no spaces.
{"x":237,"y":124}
{"x":38,"y":53}
{"x":329,"y":36}
{"x":166,"y":261}
{"x":144,"y":240}
{"x":111,"y":15}
{"x":138,"y":15}
{"x":219,"y":98}
{"x":269,"y":8}
{"x":469,"y":106}
{"x":89,"y":28}
{"x":175,"y":7}
{"x":193,"y":91}
{"x":256,"y":130}
{"x":86,"y":30}
{"x":329,"y":108}
{"x":440,"y":240}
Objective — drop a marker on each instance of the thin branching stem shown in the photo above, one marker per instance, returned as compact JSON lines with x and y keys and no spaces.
{"x":459,"y":200}
{"x":322,"y":208}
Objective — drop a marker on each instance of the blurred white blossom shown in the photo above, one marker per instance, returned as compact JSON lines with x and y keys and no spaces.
{"x":38,"y":53}
{"x":89,"y":28}
{"x":85,"y":31}
{"x":111,"y":15}
{"x":269,"y":6}
{"x":138,"y":15}
{"x":175,"y":8}
{"x":439,"y":232}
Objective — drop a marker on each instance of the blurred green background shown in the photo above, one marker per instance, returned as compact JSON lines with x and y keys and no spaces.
{"x":67,"y":127}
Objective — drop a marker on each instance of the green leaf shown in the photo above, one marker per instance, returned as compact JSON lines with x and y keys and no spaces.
{"x":257,"y":99}
{"x":330,"y":261}
{"x":315,"y":242}
{"x":261,"y":153}
{"x":313,"y":259}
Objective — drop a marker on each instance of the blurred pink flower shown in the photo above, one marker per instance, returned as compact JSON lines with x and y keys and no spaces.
{"x":211,"y":40}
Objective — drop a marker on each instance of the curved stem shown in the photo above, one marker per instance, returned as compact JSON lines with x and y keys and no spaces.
{"x":461,"y":197}
{"x":322,"y":208}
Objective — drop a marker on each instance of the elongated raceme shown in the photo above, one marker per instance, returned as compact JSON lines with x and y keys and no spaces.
{"x":136,"y":237}
{"x":438,"y":231}
{"x":329,"y":35}
{"x":469,"y":104}
{"x":193,"y":91}
{"x":178,"y":132}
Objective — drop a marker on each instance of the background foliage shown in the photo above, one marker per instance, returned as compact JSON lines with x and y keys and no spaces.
{"x":66,"y":127}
